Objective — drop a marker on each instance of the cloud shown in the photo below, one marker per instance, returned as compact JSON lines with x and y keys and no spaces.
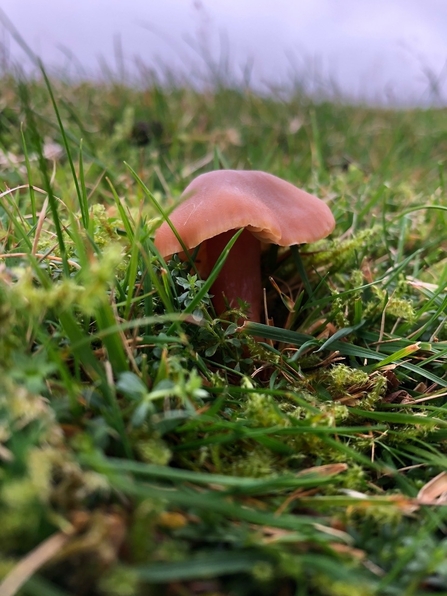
{"x":366,"y":45}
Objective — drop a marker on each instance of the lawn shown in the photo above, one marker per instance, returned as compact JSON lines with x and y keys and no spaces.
{"x":149,"y":447}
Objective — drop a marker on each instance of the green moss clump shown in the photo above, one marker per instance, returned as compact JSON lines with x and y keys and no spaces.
{"x":255,"y":462}
{"x":263,"y":411}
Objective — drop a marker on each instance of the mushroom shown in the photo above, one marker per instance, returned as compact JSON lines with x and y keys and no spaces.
{"x":269,"y":209}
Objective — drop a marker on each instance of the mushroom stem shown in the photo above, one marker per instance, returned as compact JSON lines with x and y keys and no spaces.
{"x":240,"y":277}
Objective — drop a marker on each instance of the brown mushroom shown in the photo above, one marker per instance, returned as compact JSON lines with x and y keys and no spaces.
{"x":269,"y":209}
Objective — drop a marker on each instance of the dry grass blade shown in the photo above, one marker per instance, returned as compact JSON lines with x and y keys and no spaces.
{"x":435,"y":491}
{"x":24,"y":570}
{"x":40,"y":222}
{"x":325,"y":470}
{"x":18,"y":255}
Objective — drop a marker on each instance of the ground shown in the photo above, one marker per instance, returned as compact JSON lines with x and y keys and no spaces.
{"x":148,"y":447}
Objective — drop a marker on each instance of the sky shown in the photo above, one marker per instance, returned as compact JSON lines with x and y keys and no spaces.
{"x":381,"y":51}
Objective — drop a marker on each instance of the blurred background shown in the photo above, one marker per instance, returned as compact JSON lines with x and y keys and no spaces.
{"x":386,"y":52}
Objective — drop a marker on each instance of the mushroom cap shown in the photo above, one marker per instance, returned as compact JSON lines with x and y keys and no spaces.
{"x":273,"y":210}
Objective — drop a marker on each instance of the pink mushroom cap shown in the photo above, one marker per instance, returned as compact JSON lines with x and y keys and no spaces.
{"x":270,"y":209}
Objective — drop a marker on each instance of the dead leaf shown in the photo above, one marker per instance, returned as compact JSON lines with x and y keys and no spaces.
{"x":392,"y":381}
{"x":398,"y":397}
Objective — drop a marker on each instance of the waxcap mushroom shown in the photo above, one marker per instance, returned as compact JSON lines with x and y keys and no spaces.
{"x":270,"y":209}
{"x":273,"y":210}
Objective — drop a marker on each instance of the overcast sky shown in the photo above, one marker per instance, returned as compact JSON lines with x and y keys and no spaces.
{"x":387,"y":50}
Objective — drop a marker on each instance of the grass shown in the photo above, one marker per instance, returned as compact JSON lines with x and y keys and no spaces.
{"x":147,"y":447}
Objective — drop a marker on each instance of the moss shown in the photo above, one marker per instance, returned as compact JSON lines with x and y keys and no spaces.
{"x":401,"y":308}
{"x":262,"y":410}
{"x":353,"y":385}
{"x":327,"y":586}
{"x":263,"y":572}
{"x":342,"y":253}
{"x":342,"y":377}
{"x":154,"y":451}
{"x":255,"y":462}
{"x":19,"y":500}
{"x":120,"y":581}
